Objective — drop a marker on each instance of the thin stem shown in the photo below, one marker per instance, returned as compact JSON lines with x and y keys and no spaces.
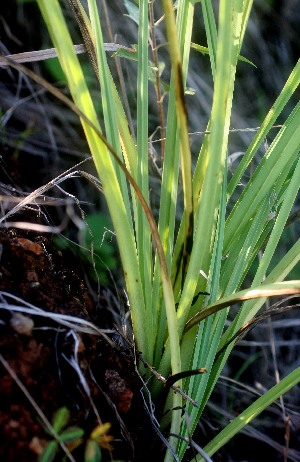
{"x":157,"y":85}
{"x":119,"y":71}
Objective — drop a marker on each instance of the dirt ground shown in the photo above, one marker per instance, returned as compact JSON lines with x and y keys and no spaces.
{"x":44,"y":354}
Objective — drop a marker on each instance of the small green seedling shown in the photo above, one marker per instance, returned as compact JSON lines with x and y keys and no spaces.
{"x":98,"y":439}
{"x":72,"y":437}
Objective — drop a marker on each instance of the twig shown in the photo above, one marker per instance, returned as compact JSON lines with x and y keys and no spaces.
{"x":231,"y":130}
{"x":42,"y":55}
{"x":73,"y":322}
{"x":194,"y":446}
{"x":252,"y":323}
{"x":170,"y":380}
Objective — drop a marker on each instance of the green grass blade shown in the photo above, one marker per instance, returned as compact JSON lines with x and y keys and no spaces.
{"x":242,"y":254}
{"x":290,"y":195}
{"x":179,"y":85}
{"x":108,"y":103}
{"x":61,"y":38}
{"x":281,"y":153}
{"x":143,"y":235}
{"x":205,"y":338}
{"x":208,"y":203}
{"x":252,"y":411}
{"x":289,"y":88}
{"x":184,"y":141}
{"x":250,"y":308}
{"x":263,"y":291}
{"x":170,"y":176}
{"x":280,"y":272}
{"x":211,"y":32}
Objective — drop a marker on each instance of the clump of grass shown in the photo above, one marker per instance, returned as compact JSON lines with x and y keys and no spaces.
{"x":182,"y":284}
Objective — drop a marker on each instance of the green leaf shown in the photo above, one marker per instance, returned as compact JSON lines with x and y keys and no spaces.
{"x":92,"y":452}
{"x":252,"y":411}
{"x":71,"y":434}
{"x":133,"y":11}
{"x":60,"y":419}
{"x":49,"y":452}
{"x":127,"y":54}
{"x":205,"y":51}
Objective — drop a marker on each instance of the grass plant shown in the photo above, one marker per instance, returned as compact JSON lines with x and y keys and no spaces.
{"x":182,"y":278}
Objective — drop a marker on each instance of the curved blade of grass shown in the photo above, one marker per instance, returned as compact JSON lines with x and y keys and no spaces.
{"x":142,"y":231}
{"x":61,"y":38}
{"x":242,"y":254}
{"x":281,"y":153}
{"x":290,"y":195}
{"x":181,"y":115}
{"x":251,"y":307}
{"x":265,"y":290}
{"x":69,"y":61}
{"x":179,"y":84}
{"x":205,"y":346}
{"x":108,"y":105}
{"x":289,"y":199}
{"x":251,"y":412}
{"x":205,"y":51}
{"x":253,"y":234}
{"x":113,"y":113}
{"x":288,"y":90}
{"x":208,"y":205}
{"x":238,"y":260}
{"x":170,"y":176}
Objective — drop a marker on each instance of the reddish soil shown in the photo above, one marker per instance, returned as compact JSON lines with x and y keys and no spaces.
{"x":40,"y":351}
